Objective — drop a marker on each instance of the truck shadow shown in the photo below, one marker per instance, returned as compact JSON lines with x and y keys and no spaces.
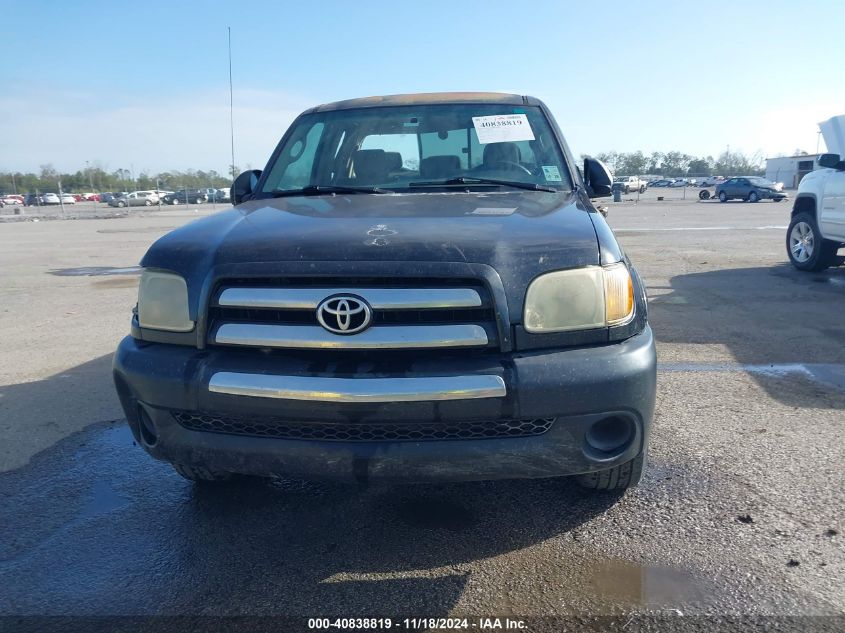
{"x":37,"y":414}
{"x":785,"y":327}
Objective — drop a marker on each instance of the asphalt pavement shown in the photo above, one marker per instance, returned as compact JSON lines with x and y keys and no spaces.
{"x":740,"y":512}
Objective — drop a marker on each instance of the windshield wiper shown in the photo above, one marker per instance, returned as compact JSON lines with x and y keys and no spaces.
{"x":472,"y":180}
{"x":316,"y":190}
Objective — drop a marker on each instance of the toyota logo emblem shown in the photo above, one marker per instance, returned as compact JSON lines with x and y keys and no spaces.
{"x":344,"y":314}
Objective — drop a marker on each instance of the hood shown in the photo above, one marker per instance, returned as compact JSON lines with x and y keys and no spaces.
{"x":833,"y":131}
{"x":519,"y":234}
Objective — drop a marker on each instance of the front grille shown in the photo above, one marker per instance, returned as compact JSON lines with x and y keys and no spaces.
{"x":405,"y":314}
{"x":360,"y":431}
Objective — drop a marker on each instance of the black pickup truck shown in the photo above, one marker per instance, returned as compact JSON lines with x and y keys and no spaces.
{"x":417,"y":287}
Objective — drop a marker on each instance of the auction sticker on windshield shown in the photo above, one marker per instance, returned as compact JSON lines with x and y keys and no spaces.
{"x":501,"y":128}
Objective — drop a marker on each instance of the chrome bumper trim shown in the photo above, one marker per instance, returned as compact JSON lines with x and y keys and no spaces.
{"x":378,"y":298}
{"x":383,"y":337}
{"x":358,"y":389}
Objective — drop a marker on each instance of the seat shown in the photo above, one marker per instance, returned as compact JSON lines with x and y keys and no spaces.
{"x":438,"y":167}
{"x":497,"y":153}
{"x":371,"y":166}
{"x":394,"y":161}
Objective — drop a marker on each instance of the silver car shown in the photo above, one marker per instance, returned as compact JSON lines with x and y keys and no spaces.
{"x":135,"y":199}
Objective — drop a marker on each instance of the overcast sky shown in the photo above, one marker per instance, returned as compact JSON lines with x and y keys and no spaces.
{"x":145,"y":85}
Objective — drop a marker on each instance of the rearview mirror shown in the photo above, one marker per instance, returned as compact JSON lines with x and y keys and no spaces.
{"x":597,"y":178}
{"x":829,"y":160}
{"x":244,"y":186}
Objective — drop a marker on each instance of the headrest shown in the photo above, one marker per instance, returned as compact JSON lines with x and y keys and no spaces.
{"x":440,"y":166}
{"x":501,"y":152}
{"x":394,"y":161}
{"x":370,"y":165}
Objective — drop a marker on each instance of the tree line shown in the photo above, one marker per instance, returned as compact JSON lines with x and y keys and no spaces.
{"x":679,"y":164}
{"x":97,"y":179}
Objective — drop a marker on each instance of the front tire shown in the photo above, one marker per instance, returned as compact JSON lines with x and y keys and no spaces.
{"x":806,"y":249}
{"x":148,"y":203}
{"x":753,"y":197}
{"x":642,"y":188}
{"x":723,"y":197}
{"x":175,"y":201}
{"x":200,"y":474}
{"x":620,"y":477}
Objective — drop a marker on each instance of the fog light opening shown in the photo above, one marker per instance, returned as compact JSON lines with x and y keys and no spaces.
{"x":610,"y":435}
{"x":147,"y":429}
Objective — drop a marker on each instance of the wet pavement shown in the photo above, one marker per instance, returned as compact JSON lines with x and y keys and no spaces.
{"x":740,"y":513}
{"x":99,"y":528}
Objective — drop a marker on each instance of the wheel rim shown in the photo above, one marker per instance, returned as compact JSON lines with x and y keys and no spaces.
{"x":723,"y":196}
{"x":752,"y":197}
{"x":801,"y":242}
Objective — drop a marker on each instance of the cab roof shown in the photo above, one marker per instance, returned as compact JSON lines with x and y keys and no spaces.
{"x":427,"y":98}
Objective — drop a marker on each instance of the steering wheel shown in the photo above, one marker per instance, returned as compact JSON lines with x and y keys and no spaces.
{"x":509,"y":165}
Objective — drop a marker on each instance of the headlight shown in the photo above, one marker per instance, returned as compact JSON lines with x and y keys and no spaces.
{"x":579,"y":299}
{"x":163,"y":302}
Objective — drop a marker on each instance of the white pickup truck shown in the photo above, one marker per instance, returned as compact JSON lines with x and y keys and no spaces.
{"x":631,"y":183}
{"x":817,"y":229}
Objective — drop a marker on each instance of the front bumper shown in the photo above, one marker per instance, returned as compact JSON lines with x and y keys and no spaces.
{"x":577,"y":387}
{"x":774,"y":195}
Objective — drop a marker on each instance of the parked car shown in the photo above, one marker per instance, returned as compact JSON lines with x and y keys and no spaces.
{"x":748,"y":188}
{"x":225,"y":193}
{"x":134,"y":199}
{"x":186,"y":196}
{"x":67,"y":198}
{"x":91,"y":197}
{"x":12,"y":199}
{"x":663,"y":182}
{"x":678,"y":182}
{"x":494,"y":363}
{"x":110,"y":195}
{"x":817,"y":228}
{"x":712,"y":181}
{"x":31,"y":200}
{"x":50,"y":198}
{"x":631,"y":183}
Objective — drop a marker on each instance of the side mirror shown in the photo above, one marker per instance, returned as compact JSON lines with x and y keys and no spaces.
{"x":830,"y":160}
{"x":597,"y":178}
{"x":244,"y":186}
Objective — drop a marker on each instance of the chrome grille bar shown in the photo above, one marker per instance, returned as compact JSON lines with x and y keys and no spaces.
{"x":383,"y":337}
{"x":358,"y":389}
{"x":378,"y":298}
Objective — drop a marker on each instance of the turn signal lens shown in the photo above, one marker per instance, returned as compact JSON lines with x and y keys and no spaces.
{"x":618,"y":294}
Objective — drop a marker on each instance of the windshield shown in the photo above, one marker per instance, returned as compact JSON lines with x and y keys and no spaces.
{"x":413,"y":148}
{"x":760,"y":181}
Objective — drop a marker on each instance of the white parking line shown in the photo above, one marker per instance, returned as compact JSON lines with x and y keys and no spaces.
{"x":704,"y":228}
{"x":831,"y":374}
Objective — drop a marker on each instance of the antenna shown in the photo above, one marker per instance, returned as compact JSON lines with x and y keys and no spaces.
{"x":231,"y":106}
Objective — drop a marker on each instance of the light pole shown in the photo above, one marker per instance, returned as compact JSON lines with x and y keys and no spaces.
{"x":90,"y":180}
